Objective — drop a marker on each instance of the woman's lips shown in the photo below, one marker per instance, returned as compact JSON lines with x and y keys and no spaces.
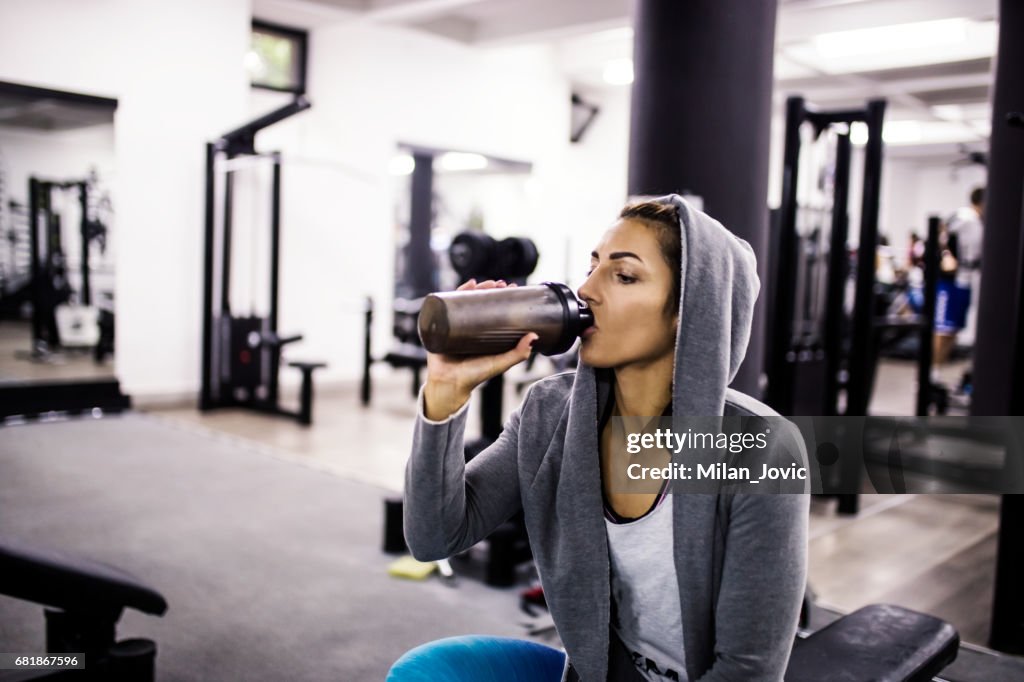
{"x":589,"y":331}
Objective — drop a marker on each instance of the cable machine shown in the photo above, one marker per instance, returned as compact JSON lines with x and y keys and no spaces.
{"x":242,"y":353}
{"x":809,"y":366}
{"x":806,"y":351}
{"x":822,"y":355}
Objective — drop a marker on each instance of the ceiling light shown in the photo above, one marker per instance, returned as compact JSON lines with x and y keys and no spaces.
{"x":462,"y":161}
{"x":893,"y":132}
{"x":901,"y":132}
{"x":254,"y":65}
{"x":403,"y":164}
{"x":618,"y":71}
{"x":948,"y":112}
{"x":858,"y":133}
{"x":897,"y":37}
{"x":981,"y":126}
{"x":963,"y":112}
{"x":914,"y":132}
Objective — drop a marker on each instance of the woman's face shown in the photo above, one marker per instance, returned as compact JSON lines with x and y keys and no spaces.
{"x":627,"y":289}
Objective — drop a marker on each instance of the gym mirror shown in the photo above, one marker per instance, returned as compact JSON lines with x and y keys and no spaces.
{"x":57,"y":221}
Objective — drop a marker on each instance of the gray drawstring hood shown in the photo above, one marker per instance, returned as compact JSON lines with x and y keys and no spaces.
{"x":718,"y":288}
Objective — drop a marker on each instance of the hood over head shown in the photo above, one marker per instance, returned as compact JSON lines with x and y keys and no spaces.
{"x":718,"y":286}
{"x":718,"y":289}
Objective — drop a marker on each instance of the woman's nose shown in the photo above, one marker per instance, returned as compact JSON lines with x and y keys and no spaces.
{"x":584,"y":292}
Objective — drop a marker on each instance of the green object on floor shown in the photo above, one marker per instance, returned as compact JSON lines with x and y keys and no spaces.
{"x":407,"y":567}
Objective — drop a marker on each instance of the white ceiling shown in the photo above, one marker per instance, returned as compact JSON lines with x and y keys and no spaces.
{"x":939,"y":92}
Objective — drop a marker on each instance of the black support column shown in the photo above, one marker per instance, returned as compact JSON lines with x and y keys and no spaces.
{"x":701,"y":114}
{"x":36,"y":192}
{"x":998,"y":336}
{"x":209,"y":231}
{"x":859,"y":393}
{"x":998,"y":356}
{"x":85,"y":296}
{"x":420,"y":258}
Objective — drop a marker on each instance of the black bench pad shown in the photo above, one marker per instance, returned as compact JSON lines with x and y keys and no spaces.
{"x":877,"y":643}
{"x":70,"y":582}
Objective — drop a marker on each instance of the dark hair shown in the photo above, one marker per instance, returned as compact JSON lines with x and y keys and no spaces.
{"x":663,"y":218}
{"x":978,"y":196}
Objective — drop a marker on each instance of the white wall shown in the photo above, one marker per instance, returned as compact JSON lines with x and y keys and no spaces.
{"x":916,"y":189}
{"x":54,"y":155}
{"x":371,"y":88}
{"x":176,"y":70}
{"x":944,"y":188}
{"x":374,"y":87}
{"x":596,"y":179}
{"x":912,"y":188}
{"x":898,"y":214}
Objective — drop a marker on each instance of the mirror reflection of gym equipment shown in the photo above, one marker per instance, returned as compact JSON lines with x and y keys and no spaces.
{"x":65,"y":319}
{"x":57,"y":256}
{"x":442,"y":241}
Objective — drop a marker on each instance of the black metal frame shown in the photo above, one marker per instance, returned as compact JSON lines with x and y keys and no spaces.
{"x":224,"y":353}
{"x":40,"y":206}
{"x":924,"y":350}
{"x":802,"y":365}
{"x":787,"y":349}
{"x":28,"y":400}
{"x":76,"y":98}
{"x":302,"y":39}
{"x":815,"y":363}
{"x":577,"y":131}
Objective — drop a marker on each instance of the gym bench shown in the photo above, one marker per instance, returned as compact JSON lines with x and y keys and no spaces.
{"x":86,"y":599}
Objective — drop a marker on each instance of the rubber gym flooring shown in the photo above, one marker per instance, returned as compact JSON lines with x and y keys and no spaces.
{"x":272,"y":570}
{"x":265,"y":538}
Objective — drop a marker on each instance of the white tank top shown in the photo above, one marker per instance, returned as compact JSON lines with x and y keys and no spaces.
{"x":645,"y":593}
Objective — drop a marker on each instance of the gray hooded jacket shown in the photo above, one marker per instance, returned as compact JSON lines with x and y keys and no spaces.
{"x":740,"y":558}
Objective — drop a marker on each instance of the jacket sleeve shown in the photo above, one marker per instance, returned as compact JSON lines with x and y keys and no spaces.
{"x":450,"y":505}
{"x":763,"y":581}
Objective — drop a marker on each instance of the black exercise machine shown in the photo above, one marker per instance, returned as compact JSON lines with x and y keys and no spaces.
{"x":85,"y":599}
{"x":821,"y":361}
{"x":406,"y":351}
{"x":473,"y":255}
{"x":817,"y":354}
{"x":476,"y":255}
{"x":50,"y":283}
{"x":242,"y":354}
{"x":15,"y":270}
{"x":806,"y":353}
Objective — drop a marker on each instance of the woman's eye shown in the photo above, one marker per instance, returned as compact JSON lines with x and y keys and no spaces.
{"x":626,"y":279}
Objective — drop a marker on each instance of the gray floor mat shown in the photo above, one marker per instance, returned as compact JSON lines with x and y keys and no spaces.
{"x":272,"y":570}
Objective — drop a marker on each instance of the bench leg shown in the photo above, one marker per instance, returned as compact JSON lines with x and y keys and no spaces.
{"x":306,"y":400}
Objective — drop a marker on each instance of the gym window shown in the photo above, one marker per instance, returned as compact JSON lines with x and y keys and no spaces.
{"x":277,"y":58}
